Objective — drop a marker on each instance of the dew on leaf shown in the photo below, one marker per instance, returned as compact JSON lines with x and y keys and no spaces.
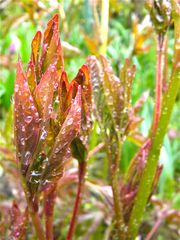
{"x":28,"y":119}
{"x":35,"y":173}
{"x":43,"y":134}
{"x":70,"y":121}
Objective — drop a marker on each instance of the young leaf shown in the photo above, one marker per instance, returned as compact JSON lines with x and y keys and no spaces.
{"x":26,"y":120}
{"x":31,"y":77}
{"x":35,"y":46}
{"x":51,"y":48}
{"x":83,"y":79}
{"x":45,"y":91}
{"x":113,"y":89}
{"x":70,"y":129}
{"x":18,"y":223}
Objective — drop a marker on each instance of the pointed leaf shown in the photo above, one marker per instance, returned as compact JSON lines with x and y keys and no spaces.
{"x":36,"y":45}
{"x":45,"y":91}
{"x":99,"y":101}
{"x":65,"y":103}
{"x":126,"y":75}
{"x":26,"y":122}
{"x":83,"y":79}
{"x":62,"y":92}
{"x":19,"y":223}
{"x":51,"y":49}
{"x":138,"y":105}
{"x":31,"y":77}
{"x":113,"y":92}
{"x":133,"y":178}
{"x":138,"y":162}
{"x":69,"y":130}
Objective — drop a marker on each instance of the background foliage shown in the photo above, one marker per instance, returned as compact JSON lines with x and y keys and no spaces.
{"x":130,"y":35}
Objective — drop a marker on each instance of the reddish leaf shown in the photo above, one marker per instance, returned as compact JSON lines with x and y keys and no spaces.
{"x":138,"y":105}
{"x":62,"y":94}
{"x":126,"y":75}
{"x":133,"y":123}
{"x":113,"y":91}
{"x":45,"y":91}
{"x":134,"y":173}
{"x":36,"y":45}
{"x":65,"y":101}
{"x":83,"y":78}
{"x":18,"y":223}
{"x":69,"y":130}
{"x":51,"y":49}
{"x":100,"y":107}
{"x":26,"y":122}
{"x":31,"y":76}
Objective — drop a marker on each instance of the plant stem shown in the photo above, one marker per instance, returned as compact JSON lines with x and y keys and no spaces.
{"x":159,"y":79}
{"x":165,"y":63}
{"x":95,"y":150}
{"x":114,"y":171}
{"x":49,"y":208}
{"x":33,"y":210}
{"x":37,"y":225}
{"x":36,"y":221}
{"x":104,"y":26}
{"x":81,"y":180}
{"x":157,"y":224}
{"x":152,"y":161}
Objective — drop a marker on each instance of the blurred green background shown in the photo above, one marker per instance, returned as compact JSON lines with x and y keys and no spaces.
{"x":130,"y":35}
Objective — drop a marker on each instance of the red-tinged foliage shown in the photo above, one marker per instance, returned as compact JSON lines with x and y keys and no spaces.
{"x":62,"y":92}
{"x":53,"y":124}
{"x":19,"y":223}
{"x":115,"y":112}
{"x":31,"y":77}
{"x":112,"y":97}
{"x":51,"y":49}
{"x":26,"y":121}
{"x":69,"y":130}
{"x":35,"y":46}
{"x":44,"y":93}
{"x":44,"y":131}
{"x":83,"y":78}
{"x":134,"y":173}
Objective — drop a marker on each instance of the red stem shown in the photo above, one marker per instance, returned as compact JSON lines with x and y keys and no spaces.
{"x":159,"y":80}
{"x":32,"y":202}
{"x":49,"y":208}
{"x":156,"y":226}
{"x":165,"y":63}
{"x":33,"y":210}
{"x":82,"y":170}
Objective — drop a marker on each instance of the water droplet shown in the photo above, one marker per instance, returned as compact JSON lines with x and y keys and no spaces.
{"x":28,"y":119}
{"x":70,"y":121}
{"x":35,"y":173}
{"x":43,"y":134}
{"x":159,"y":18}
{"x":16,"y":89}
{"x":27,"y":154}
{"x":22,"y":141}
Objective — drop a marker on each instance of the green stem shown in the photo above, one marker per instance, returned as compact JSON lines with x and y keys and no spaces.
{"x":104,"y":26}
{"x":37,"y":225}
{"x":159,"y":79}
{"x":152,"y":161}
{"x":165,"y":63}
{"x":36,"y":221}
{"x":32,"y":203}
{"x":114,"y":172}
